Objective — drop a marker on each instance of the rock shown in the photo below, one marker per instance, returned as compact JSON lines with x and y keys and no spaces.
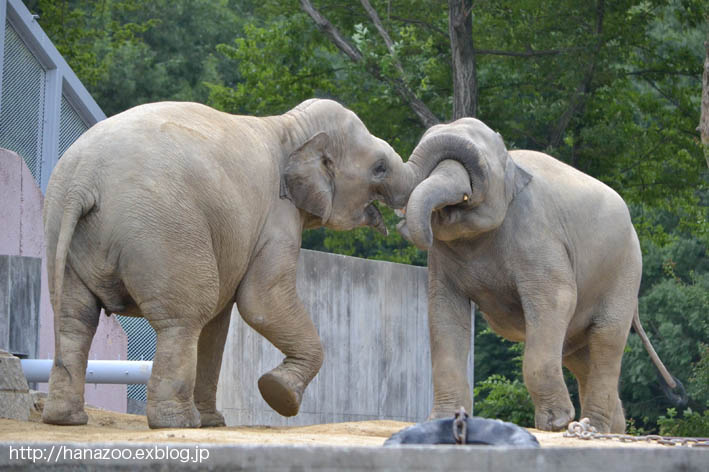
{"x":15,"y":400}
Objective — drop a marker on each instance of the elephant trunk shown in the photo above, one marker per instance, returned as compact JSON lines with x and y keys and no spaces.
{"x":424,"y":199}
{"x":437,"y":147}
{"x":448,"y":184}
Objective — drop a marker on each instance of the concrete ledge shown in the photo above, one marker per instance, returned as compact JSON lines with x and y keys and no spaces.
{"x":186,"y":456}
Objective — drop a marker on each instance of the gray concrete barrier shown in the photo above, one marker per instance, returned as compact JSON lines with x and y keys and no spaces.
{"x":20,"y":288}
{"x":190,"y":456}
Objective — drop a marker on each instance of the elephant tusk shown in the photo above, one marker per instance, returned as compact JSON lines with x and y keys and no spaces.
{"x":465,"y":198}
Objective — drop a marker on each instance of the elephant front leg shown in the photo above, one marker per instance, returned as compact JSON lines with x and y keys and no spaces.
{"x":209,"y":361}
{"x":268,"y":302}
{"x":450,"y":327}
{"x":546,"y":321}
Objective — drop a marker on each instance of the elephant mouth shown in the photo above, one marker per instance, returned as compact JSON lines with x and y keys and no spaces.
{"x":373,"y":218}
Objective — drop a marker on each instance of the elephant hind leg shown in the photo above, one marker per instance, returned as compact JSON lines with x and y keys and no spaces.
{"x":607,"y":337}
{"x":602,"y":403}
{"x":209,"y":361}
{"x":171,"y":385}
{"x":579,"y":363}
{"x":175,"y":283}
{"x":74,"y":330}
{"x":172,"y":382}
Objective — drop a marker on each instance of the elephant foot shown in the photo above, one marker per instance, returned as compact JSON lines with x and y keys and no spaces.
{"x":614,"y":424}
{"x":554,"y":418}
{"x":281,"y":391}
{"x":172,"y":414}
{"x":63,"y":412}
{"x":618,"y":423}
{"x":211,"y":419}
{"x":440,"y":412}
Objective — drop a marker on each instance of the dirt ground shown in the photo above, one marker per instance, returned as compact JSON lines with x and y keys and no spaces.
{"x":108,"y":426}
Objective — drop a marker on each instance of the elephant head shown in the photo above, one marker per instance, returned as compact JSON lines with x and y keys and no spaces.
{"x":468,"y":182}
{"x":339,"y":170}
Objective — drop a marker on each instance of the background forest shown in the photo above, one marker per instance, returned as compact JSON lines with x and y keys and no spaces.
{"x":612,"y":88}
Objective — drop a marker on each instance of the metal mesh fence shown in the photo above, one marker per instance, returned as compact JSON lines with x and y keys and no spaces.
{"x":141,"y":347}
{"x":22,"y":107}
{"x":71,"y":126}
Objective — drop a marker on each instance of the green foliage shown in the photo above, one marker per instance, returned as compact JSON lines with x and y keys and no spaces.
{"x":129,"y":52}
{"x":692,"y":423}
{"x":280,"y":65}
{"x":367,"y":243}
{"x":633,"y":429}
{"x":84,"y":31}
{"x":698,"y":388}
{"x":494,"y":354}
{"x":497,"y":397}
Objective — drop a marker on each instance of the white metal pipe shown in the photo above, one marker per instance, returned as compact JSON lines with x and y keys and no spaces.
{"x":105,"y":372}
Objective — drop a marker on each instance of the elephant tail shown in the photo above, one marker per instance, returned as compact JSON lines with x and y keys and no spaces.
{"x":669,"y":382}
{"x":77,"y":206}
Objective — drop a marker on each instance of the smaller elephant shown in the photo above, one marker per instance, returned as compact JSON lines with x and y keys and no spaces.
{"x":548,"y":254}
{"x":176,"y":211}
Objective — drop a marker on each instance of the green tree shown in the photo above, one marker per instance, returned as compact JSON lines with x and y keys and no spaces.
{"x":83,"y":32}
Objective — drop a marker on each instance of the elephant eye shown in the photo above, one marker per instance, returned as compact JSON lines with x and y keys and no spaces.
{"x":379,"y":169}
{"x":327,"y":162}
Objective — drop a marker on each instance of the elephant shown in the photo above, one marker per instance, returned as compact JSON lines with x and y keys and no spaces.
{"x":174,"y":212}
{"x":547,"y":253}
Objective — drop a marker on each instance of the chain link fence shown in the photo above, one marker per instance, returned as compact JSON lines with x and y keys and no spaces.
{"x":141,"y":347}
{"x":44,"y":107}
{"x":22,"y":106}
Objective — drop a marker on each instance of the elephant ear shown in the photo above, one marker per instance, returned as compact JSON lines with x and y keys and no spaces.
{"x":521,"y":178}
{"x":307,"y":178}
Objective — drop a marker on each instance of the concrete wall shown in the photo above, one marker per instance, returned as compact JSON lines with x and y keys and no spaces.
{"x":371,"y":317}
{"x":20,"y":289}
{"x":22,"y":234}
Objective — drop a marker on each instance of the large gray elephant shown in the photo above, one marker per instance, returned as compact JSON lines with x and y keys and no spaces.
{"x":547,"y":253}
{"x":173,"y":212}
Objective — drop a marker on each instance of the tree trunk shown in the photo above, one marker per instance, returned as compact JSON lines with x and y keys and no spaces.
{"x":424,"y":114}
{"x":703,"y":127}
{"x":460,"y":30}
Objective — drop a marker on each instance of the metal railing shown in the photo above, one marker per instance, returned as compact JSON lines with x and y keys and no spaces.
{"x":107,"y":372}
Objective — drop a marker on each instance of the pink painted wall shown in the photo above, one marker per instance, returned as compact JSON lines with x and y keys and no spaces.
{"x":22,"y":234}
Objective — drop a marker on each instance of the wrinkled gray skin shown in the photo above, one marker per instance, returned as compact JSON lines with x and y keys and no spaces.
{"x":175,"y":211}
{"x":548,"y":254}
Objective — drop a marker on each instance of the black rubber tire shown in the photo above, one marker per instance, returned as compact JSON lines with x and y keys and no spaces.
{"x":480,"y":431}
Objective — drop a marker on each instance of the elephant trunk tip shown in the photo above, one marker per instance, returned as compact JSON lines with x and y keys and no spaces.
{"x":423,"y":241}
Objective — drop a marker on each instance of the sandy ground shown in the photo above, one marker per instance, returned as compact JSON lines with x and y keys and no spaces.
{"x":108,"y":426}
